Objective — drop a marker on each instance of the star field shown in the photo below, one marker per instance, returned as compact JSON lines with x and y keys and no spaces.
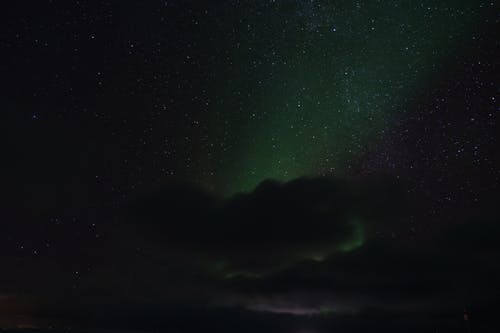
{"x":209,"y":144}
{"x":252,"y":91}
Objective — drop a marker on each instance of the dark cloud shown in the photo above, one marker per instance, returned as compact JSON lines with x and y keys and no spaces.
{"x":268,"y":229}
{"x":321,"y":248}
{"x":310,"y":255}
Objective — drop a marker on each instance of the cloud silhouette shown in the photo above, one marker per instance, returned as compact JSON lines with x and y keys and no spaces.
{"x":266,"y":230}
{"x":320,"y":253}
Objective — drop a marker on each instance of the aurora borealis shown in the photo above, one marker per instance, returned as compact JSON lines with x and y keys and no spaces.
{"x":283,"y":166}
{"x":308,"y":87}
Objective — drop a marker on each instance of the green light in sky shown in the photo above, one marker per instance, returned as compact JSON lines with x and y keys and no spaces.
{"x":356,"y":241}
{"x":307,"y":88}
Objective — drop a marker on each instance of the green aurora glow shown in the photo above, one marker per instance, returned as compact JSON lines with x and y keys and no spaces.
{"x":306,"y":88}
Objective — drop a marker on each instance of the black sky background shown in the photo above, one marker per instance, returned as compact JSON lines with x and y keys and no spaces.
{"x":104,"y":226}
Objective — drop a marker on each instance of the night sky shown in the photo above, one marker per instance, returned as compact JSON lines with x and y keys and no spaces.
{"x":298,"y":166}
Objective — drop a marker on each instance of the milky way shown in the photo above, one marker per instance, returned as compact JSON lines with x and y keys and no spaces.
{"x":250,"y":165}
{"x":308,"y":88}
